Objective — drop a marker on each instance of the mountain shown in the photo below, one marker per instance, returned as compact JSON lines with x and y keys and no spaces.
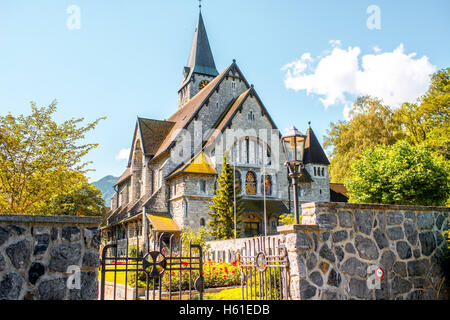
{"x":105,"y":185}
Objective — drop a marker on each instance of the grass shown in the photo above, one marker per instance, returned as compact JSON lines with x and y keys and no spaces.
{"x":225,"y":294}
{"x":120,"y":275}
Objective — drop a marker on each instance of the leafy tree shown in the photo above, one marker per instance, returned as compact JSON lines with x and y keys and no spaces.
{"x":83,"y":199}
{"x":222,"y":208}
{"x":188,"y":235}
{"x":41,"y":161}
{"x":371,"y":124}
{"x":399,"y":174}
{"x":428,"y":120}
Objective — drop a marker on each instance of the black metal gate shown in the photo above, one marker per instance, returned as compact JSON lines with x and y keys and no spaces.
{"x":165,"y":273}
{"x":264,"y":270}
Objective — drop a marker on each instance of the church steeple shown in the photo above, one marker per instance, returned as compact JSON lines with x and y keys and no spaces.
{"x":200,"y":62}
{"x":201,"y":58}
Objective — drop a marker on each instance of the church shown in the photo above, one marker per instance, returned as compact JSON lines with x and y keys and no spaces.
{"x":173,"y":164}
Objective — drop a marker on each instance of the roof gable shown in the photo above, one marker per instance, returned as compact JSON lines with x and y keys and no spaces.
{"x":229,"y":113}
{"x":184,"y":116}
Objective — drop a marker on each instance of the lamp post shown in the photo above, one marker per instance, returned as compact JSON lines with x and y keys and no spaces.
{"x":294,"y":146}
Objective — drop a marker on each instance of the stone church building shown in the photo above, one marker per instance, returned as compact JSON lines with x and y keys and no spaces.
{"x":173,"y":164}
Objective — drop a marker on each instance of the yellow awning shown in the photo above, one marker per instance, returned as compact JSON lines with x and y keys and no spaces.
{"x":163,"y":223}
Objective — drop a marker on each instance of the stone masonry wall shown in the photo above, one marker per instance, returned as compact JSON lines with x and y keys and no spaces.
{"x":36,"y":252}
{"x":331,"y":254}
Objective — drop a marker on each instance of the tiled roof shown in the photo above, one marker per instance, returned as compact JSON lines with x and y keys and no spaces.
{"x":153,"y":133}
{"x":313,"y":150}
{"x":125,"y":175}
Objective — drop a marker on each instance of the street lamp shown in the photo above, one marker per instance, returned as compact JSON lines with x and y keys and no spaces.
{"x":294,"y":146}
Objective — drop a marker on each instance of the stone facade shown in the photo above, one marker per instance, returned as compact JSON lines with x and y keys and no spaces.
{"x":37,"y":252}
{"x":336,"y":250}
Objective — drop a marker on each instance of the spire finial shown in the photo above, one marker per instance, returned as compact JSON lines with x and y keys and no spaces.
{"x":309,"y":124}
{"x":200,"y":4}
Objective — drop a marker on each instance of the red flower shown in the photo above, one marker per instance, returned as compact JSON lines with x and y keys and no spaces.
{"x":214,"y":268}
{"x":226,"y":270}
{"x":233,"y":272}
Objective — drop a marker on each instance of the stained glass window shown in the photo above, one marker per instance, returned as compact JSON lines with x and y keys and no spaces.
{"x":266,"y":183}
{"x":250,"y":183}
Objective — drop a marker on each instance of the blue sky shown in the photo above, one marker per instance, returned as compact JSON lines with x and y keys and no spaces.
{"x":126,"y":59}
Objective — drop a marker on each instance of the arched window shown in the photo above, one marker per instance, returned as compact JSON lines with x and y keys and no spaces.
{"x":202,"y":222}
{"x":266,"y":183}
{"x":250,"y":183}
{"x":202,"y":184}
{"x":238,"y":182}
{"x":323,"y":175}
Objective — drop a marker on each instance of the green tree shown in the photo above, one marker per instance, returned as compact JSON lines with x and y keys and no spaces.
{"x":188,"y":235}
{"x":399,"y":174}
{"x":83,"y":199}
{"x":41,"y":160}
{"x":371,"y":124}
{"x":428,"y":120}
{"x":222,"y":208}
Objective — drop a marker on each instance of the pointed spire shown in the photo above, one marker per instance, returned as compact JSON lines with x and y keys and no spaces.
{"x":313,"y":150}
{"x":201,"y":58}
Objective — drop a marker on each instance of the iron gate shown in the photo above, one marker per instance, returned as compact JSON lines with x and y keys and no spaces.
{"x":182,"y":269}
{"x":264,"y":270}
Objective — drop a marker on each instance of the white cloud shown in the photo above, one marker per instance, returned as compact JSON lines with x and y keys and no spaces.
{"x":335,"y":43}
{"x":337,"y":78}
{"x":123,"y":154}
{"x":376,"y":49}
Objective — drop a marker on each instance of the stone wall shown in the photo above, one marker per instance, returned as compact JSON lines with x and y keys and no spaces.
{"x":334,"y":253}
{"x":37,"y":251}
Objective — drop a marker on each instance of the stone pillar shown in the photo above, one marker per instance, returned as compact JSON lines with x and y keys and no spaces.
{"x":300,"y":242}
